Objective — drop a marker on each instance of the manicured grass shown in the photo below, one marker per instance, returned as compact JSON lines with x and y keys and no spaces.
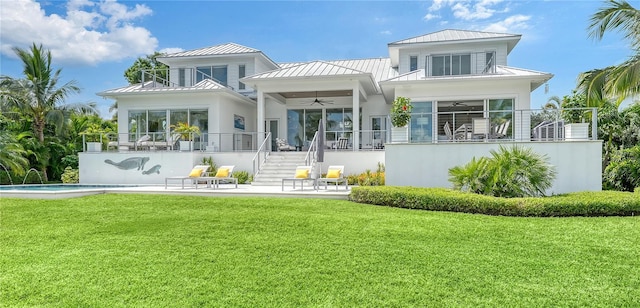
{"x":142,"y":250}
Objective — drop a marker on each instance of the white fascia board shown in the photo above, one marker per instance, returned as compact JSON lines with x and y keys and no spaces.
{"x":389,"y":86}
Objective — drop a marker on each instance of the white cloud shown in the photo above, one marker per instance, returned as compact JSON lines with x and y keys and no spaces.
{"x":430,"y":16}
{"x":467,"y":10}
{"x":385,"y":32}
{"x":90,"y":32}
{"x":510,"y":24}
{"x":171,"y":50}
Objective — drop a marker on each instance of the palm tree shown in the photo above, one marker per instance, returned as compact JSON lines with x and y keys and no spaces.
{"x":619,"y":81}
{"x":38,"y":94}
{"x":13,"y":154}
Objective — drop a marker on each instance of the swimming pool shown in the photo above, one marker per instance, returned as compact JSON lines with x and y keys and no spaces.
{"x":58,"y":187}
{"x":57,"y":191}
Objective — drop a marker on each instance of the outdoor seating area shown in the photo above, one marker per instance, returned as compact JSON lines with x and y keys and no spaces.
{"x":302,"y":174}
{"x":335,"y":176}
{"x":478,"y":129}
{"x":199,"y":174}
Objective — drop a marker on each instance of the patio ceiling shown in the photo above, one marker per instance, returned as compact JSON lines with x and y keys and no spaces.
{"x":312,"y":94}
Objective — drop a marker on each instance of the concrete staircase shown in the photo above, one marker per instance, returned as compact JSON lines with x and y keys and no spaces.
{"x":279,"y":165}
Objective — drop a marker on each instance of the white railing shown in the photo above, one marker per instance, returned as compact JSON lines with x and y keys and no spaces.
{"x":262,"y":154}
{"x":566,"y":124}
{"x":309,"y":159}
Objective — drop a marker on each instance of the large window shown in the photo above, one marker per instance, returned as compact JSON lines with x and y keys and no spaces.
{"x":182,"y":77}
{"x":157,"y":120}
{"x":220,"y":74}
{"x":500,"y":112}
{"x":339,"y":123}
{"x":413,"y":63}
{"x":202,"y":73}
{"x":217,"y":73}
{"x":157,"y":123}
{"x":446,"y":65}
{"x":421,"y":122}
{"x":242,"y":71}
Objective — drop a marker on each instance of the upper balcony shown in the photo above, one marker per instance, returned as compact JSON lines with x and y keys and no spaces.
{"x":189,"y":77}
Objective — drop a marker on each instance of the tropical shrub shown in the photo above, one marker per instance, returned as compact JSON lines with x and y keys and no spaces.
{"x":368,"y":178}
{"x":70,"y":176}
{"x":509,"y":172}
{"x":604,"y":203}
{"x":401,"y":111}
{"x":242,"y":176}
{"x":623,"y":171}
{"x":212,"y":165}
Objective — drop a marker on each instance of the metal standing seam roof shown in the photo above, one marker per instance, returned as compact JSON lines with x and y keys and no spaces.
{"x":453,"y":35}
{"x":222,"y":49}
{"x":308,"y":69}
{"x":379,"y":68}
{"x":154,"y":87}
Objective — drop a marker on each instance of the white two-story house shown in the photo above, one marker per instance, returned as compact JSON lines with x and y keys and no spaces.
{"x":466,"y":101}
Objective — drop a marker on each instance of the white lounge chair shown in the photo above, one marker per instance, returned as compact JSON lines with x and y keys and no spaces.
{"x":283,"y":145}
{"x":197,"y":172}
{"x":335,"y":175}
{"x":223,"y":174}
{"x":447,"y":131}
{"x":303,"y":173}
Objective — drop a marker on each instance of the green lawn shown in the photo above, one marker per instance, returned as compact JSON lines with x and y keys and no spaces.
{"x":144,"y":250}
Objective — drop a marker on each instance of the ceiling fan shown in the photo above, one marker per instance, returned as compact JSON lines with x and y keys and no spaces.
{"x":320,"y":101}
{"x":456,"y":104}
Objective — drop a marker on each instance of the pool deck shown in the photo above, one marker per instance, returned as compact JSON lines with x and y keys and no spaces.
{"x":225,"y":190}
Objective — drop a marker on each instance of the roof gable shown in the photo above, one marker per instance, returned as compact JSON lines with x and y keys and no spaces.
{"x":217,"y":50}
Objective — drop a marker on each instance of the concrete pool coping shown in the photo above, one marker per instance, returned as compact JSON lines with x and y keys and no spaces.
{"x":225,"y":190}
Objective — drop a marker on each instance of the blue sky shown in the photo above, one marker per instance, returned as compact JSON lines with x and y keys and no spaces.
{"x":94,"y":42}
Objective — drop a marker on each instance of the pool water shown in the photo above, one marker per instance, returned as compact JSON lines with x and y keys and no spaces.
{"x":58,"y":187}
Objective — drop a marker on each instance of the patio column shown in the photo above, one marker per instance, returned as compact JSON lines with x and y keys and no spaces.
{"x":260,"y":116}
{"x":356,"y":117}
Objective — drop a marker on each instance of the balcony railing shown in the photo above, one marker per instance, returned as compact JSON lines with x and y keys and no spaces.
{"x":175,"y":77}
{"x":504,"y":126}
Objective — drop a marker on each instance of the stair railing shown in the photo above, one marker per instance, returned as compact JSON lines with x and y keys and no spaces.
{"x":261,"y":155}
{"x":309,"y":159}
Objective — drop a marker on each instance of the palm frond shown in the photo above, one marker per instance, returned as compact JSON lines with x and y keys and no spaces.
{"x":619,"y":16}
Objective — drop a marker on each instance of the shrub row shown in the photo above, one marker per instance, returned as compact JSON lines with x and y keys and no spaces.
{"x":604,"y":203}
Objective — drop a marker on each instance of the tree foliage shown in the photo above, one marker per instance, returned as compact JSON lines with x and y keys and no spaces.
{"x":618,"y":81}
{"x":148,"y":65}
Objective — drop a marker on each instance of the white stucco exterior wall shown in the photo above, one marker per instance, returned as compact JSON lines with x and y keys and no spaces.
{"x":578,"y":163}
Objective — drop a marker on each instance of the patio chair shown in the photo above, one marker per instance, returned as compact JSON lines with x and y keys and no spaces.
{"x":343,"y":143}
{"x":283,"y":145}
{"x":447,"y":131}
{"x":501,"y":130}
{"x":196,"y":172}
{"x":223,"y":174}
{"x":140,"y":143}
{"x":480,"y":127}
{"x":169,"y":143}
{"x":303,"y":173}
{"x":335,"y":174}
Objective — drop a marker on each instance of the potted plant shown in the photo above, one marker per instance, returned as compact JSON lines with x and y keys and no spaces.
{"x":187,"y":132}
{"x":94,"y":137}
{"x":400,"y":117}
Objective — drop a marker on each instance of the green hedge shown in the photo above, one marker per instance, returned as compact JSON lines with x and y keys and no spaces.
{"x":604,"y":203}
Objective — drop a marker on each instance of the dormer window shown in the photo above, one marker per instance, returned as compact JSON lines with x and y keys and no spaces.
{"x":447,"y":65}
{"x":413,"y":63}
{"x":216,"y":73}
